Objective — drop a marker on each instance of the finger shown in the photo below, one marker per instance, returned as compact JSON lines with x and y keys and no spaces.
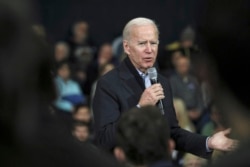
{"x":160,"y":97}
{"x":233,"y":146}
{"x":227,"y":131}
{"x":155,"y":86}
{"x":159,"y":91}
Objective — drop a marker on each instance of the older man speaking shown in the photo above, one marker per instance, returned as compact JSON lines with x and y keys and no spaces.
{"x":129,"y":86}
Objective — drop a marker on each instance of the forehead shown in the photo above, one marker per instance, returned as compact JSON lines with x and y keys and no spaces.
{"x":144,"y":32}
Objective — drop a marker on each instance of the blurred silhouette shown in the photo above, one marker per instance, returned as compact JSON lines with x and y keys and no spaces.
{"x":225,"y":30}
{"x":143,"y":138}
{"x":185,"y":86}
{"x":31,"y":135}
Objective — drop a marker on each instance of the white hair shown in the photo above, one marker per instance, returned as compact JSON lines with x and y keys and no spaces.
{"x":139,"y":21}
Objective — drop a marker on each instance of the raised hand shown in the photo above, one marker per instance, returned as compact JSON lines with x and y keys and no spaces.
{"x":220,"y":141}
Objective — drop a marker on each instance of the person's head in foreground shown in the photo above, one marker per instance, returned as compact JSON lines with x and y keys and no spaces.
{"x":142,"y":137}
{"x":140,"y":42}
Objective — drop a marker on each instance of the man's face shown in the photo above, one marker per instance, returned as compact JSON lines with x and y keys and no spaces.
{"x":142,"y":46}
{"x":182,"y":66}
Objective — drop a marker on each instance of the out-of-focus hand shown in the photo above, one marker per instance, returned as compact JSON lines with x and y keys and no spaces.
{"x":152,"y":95}
{"x":220,"y":141}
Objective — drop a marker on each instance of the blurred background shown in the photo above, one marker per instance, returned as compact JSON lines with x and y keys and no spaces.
{"x":204,"y":45}
{"x":106,"y":19}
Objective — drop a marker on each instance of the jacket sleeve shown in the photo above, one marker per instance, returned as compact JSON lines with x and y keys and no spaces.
{"x":106,"y":114}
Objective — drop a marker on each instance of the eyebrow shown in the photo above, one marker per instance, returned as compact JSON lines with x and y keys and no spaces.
{"x":144,"y":41}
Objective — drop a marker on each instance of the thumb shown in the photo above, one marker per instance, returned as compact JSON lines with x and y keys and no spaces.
{"x":227,"y":131}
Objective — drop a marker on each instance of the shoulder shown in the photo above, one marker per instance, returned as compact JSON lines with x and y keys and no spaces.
{"x":110,"y":76}
{"x":109,"y":79}
{"x":73,"y":84}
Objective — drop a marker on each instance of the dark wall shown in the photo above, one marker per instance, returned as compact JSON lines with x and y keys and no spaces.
{"x":107,"y":18}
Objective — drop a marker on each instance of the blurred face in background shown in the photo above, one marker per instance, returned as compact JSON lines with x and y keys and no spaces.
{"x":142,"y":46}
{"x":175,"y":56}
{"x":80,"y":31}
{"x":187,"y":43}
{"x":105,"y":54}
{"x":182,"y":66}
{"x":64,"y":72}
{"x":61,"y":51}
{"x":81,"y":133}
{"x":82,"y":114}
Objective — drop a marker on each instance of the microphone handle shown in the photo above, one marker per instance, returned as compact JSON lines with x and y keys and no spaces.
{"x":159,"y":103}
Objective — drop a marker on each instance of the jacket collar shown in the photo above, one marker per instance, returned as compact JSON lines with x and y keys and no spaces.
{"x":128,"y":73}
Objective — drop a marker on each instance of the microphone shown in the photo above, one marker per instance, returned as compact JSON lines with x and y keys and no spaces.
{"x":152,"y":73}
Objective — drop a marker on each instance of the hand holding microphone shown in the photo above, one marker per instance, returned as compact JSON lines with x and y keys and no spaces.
{"x":154,"y":94}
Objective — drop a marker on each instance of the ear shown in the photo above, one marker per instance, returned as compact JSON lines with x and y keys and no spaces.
{"x":119,"y":154}
{"x":126,"y":47}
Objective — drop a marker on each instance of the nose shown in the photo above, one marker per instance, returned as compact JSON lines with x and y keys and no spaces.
{"x":148,"y":48}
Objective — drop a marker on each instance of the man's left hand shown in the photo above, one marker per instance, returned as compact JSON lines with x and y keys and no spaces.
{"x":220,"y":141}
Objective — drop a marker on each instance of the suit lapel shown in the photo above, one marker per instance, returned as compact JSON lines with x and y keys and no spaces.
{"x":132,"y":82}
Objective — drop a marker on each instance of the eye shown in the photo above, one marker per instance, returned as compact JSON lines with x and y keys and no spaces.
{"x":142,"y":43}
{"x":154,"y":43}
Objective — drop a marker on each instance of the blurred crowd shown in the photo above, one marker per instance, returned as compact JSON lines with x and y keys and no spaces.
{"x":78,"y":63}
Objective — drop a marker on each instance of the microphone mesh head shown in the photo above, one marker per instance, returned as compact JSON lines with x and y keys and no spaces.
{"x":152,"y":73}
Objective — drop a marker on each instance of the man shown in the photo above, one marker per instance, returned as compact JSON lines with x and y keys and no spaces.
{"x":123,"y":88}
{"x":185,"y":86}
{"x":138,"y":130}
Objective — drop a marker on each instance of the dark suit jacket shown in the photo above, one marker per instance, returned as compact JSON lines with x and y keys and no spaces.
{"x":120,"y":90}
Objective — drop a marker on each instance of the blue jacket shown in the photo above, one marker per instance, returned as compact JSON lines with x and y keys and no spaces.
{"x":69,"y":94}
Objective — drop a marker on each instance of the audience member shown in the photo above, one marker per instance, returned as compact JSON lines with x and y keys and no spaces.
{"x":175,"y":54}
{"x":117,"y":48}
{"x":61,"y":51}
{"x":186,"y":87}
{"x":185,"y":123}
{"x":187,"y":42}
{"x":82,"y":51}
{"x":81,"y":48}
{"x":104,"y":56}
{"x":81,"y":131}
{"x":215,"y":124}
{"x":82,"y":113}
{"x":69,"y":92}
{"x":143,"y":138}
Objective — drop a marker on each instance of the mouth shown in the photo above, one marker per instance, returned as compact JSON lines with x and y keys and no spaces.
{"x":148,"y":59}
